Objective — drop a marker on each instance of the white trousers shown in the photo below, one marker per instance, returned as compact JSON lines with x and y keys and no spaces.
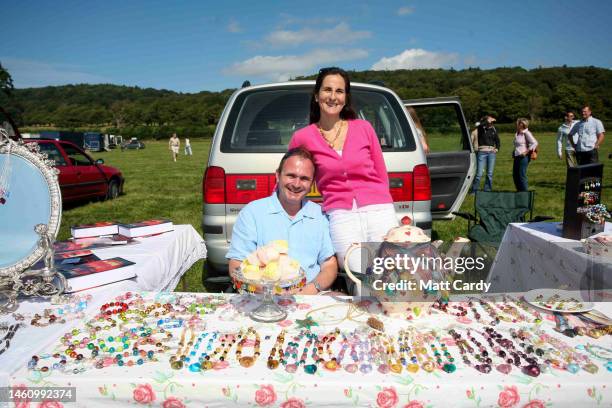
{"x":366,"y":224}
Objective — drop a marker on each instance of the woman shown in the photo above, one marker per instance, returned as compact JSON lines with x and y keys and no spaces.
{"x":419,"y":128}
{"x":524,"y":144}
{"x":350,"y":169}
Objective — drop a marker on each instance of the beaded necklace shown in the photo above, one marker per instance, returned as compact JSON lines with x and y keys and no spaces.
{"x":196,"y":365}
{"x":248,"y":361}
{"x":464,"y":349}
{"x":8,"y":336}
{"x":449,"y":365}
{"x":176,"y":361}
{"x":404,"y":347}
{"x":227,"y":342}
{"x":273,"y":363}
{"x":292,"y":352}
{"x":532,"y":368}
{"x":334,"y":362}
{"x":520,"y":302}
{"x":566,"y":353}
{"x":420,"y":350}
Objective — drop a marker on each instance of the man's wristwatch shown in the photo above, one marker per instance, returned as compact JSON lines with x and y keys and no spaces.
{"x":317,"y":286}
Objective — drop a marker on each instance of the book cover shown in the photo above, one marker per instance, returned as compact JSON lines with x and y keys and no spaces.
{"x":97,"y":273}
{"x":92,"y":243}
{"x":94,"y":230}
{"x":148,"y":227}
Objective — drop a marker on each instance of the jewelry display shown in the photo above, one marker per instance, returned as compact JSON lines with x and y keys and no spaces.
{"x":176,"y":361}
{"x":10,"y":331}
{"x":113,"y":308}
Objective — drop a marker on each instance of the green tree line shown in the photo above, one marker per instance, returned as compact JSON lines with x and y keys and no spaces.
{"x":541,"y":94}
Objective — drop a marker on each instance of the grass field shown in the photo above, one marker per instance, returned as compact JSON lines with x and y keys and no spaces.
{"x":155,"y":186}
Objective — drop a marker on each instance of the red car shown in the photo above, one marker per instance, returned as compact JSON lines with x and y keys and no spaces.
{"x":80,"y":176}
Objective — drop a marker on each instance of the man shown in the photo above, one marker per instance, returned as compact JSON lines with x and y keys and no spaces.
{"x":586,"y":137}
{"x":563,"y":139}
{"x":287,"y":215}
{"x":488,"y":146}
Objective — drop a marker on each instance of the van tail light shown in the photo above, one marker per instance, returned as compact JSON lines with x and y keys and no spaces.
{"x":400,"y":186}
{"x":421,"y":183}
{"x":244,"y":188}
{"x":213,"y":185}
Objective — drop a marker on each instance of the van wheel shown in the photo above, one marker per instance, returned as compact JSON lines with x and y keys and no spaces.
{"x":113,"y":190}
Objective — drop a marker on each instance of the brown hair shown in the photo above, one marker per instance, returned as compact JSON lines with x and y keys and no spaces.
{"x":296,"y":151}
{"x":347,"y":111}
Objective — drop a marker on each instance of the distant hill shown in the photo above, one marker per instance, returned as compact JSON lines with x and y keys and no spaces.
{"x":541,"y":94}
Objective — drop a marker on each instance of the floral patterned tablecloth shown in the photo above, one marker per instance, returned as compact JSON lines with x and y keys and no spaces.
{"x":156,"y":384}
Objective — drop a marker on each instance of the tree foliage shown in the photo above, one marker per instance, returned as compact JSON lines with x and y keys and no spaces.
{"x":541,"y":94}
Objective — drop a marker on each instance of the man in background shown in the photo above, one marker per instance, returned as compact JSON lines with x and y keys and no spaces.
{"x":586,"y":136}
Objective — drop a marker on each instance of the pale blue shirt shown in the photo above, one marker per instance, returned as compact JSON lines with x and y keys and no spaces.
{"x":563,"y":139}
{"x":265,"y":220}
{"x":587,"y":131}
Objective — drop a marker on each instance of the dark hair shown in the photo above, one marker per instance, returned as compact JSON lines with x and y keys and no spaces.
{"x":568,"y":112}
{"x":347,"y":111}
{"x":296,"y":151}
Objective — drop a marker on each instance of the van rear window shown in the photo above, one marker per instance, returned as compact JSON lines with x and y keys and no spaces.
{"x":263,"y":121}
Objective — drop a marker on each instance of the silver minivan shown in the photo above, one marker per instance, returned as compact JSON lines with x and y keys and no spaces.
{"x":258,"y":122}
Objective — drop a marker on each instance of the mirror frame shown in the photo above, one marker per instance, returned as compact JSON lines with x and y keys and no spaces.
{"x":31,"y":153}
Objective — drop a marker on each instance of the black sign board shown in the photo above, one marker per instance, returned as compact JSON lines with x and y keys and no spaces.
{"x":583,"y":187}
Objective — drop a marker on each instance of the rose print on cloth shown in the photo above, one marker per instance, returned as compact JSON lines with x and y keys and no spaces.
{"x":265,"y":395}
{"x":508,"y":397}
{"x":144,"y":394}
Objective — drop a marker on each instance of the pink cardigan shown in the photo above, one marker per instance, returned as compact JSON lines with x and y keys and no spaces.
{"x":360,"y":173}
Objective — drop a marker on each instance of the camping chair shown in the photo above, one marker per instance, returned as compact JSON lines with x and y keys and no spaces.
{"x":494,"y":210}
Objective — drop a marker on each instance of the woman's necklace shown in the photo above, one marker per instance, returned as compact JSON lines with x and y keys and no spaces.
{"x":333,"y":141}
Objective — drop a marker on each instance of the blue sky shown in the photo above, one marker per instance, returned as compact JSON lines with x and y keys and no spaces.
{"x":191,"y":46}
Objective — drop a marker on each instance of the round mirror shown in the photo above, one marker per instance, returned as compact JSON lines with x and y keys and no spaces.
{"x":29,"y":195}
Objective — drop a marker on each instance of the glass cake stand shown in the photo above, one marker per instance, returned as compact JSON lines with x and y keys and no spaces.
{"x":268,"y":311}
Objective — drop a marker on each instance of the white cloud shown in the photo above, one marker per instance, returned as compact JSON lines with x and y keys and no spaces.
{"x":341,"y":34}
{"x":234,"y":27}
{"x":404,"y":11}
{"x":416,"y":58}
{"x":30,"y":73}
{"x":283,"y":67}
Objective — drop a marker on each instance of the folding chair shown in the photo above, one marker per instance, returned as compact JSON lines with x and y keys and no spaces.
{"x":494,"y":210}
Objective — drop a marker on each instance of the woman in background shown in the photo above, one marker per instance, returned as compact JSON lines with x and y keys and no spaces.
{"x":524,"y":145}
{"x":419,"y":128}
{"x":350,"y":169}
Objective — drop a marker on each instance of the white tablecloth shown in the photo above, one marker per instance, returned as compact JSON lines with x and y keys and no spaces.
{"x":156,"y":384}
{"x":535,"y":255}
{"x":160,"y":261}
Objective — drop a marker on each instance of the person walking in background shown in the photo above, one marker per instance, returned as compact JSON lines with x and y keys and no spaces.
{"x":524,"y":145}
{"x":563,"y":139}
{"x":488,"y":146}
{"x":590,"y":132}
{"x":188,"y":151}
{"x":174,"y":146}
{"x":419,"y":128}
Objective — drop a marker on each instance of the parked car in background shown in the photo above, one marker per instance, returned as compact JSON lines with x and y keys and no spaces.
{"x":133,"y":144}
{"x":80,"y":177}
{"x":258,"y":122}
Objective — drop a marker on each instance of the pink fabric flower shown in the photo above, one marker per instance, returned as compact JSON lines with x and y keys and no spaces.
{"x":293,"y":403}
{"x":387,"y":398}
{"x":265,"y":395}
{"x":21,"y":402}
{"x":509,"y":397}
{"x":225,"y":391}
{"x":591,"y":392}
{"x":534,"y":404}
{"x":469,"y":394}
{"x":414,"y":404}
{"x":50,"y":404}
{"x":285,"y":323}
{"x":173,"y":402}
{"x":285,"y":302}
{"x":143,"y":394}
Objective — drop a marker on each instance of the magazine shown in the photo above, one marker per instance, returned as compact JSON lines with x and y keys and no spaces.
{"x":92,"y":243}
